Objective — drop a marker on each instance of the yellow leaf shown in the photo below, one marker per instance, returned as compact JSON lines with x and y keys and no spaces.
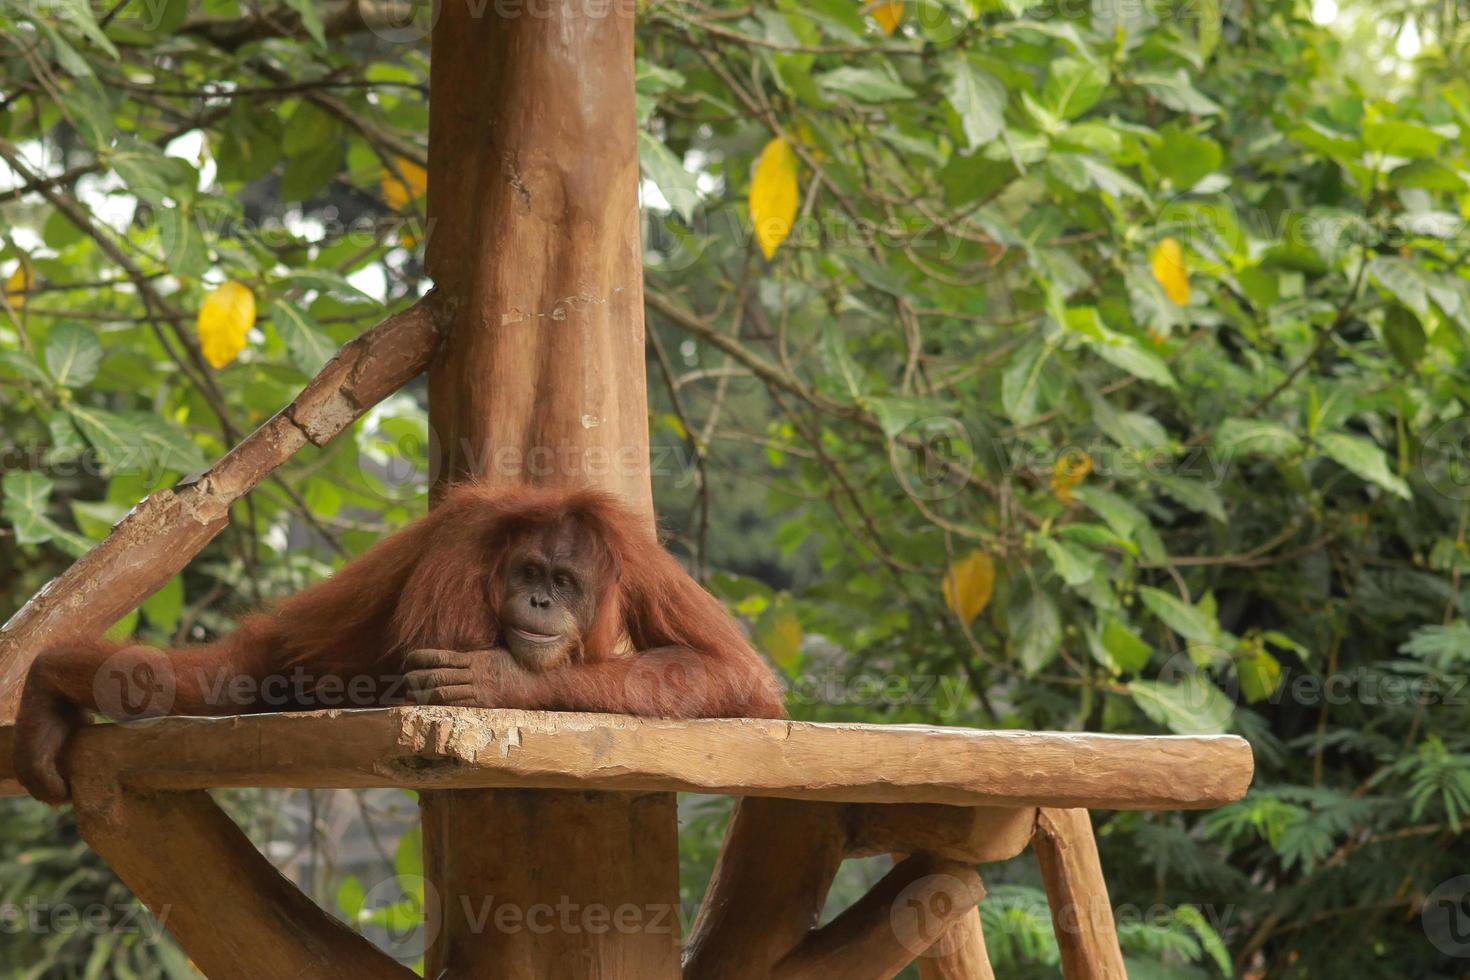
{"x":779,"y":635}
{"x":888,"y":15}
{"x":18,"y":285}
{"x":1070,"y":469}
{"x":1168,"y":264}
{"x":225,"y":318}
{"x":773,"y":195}
{"x":398,"y":193}
{"x":968,"y":584}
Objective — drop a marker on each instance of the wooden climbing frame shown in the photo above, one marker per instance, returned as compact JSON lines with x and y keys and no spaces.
{"x":533,"y":342}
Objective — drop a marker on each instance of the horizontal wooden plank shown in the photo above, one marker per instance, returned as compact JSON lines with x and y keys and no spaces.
{"x":461,"y":748}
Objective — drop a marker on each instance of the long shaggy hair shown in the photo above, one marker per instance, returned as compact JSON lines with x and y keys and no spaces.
{"x":437,"y":584}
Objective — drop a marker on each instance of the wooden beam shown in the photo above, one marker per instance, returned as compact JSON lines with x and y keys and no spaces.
{"x":432,"y":747}
{"x":1081,"y":914}
{"x":166,"y":530}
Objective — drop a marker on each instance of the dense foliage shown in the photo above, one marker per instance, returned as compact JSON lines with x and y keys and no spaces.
{"x":1044,"y":365}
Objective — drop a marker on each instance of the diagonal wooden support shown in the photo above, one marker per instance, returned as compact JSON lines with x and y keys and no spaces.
{"x":229,"y":908}
{"x":1081,"y":914}
{"x":164,"y":532}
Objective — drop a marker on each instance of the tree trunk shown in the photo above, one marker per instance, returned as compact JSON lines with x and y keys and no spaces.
{"x":534,"y":240}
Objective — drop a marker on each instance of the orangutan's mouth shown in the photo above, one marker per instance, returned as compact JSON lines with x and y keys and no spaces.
{"x":531,"y":637}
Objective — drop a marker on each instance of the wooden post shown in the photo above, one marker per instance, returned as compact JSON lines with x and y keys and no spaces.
{"x":960,"y":955}
{"x":1081,"y":914}
{"x":534,"y":242}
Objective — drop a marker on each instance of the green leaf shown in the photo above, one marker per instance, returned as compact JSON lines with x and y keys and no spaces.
{"x":896,"y":413}
{"x":144,"y":168}
{"x":678,"y":186}
{"x":19,"y":364}
{"x":113,"y":437}
{"x":1260,"y":675}
{"x":308,"y":346}
{"x":1403,"y":335}
{"x":1020,"y":382}
{"x":1177,"y":92}
{"x":162,"y":445}
{"x":311,"y":170}
{"x":1188,"y":621}
{"x":1363,"y":458}
{"x":326,"y":282}
{"x":1075,"y":566}
{"x":1402,"y":139}
{"x":980,"y":101}
{"x":1404,"y":280}
{"x":1184,"y":157}
{"x":1198,"y":497}
{"x":1073,"y":87}
{"x":311,"y":19}
{"x":351,"y":897}
{"x":1237,"y":437}
{"x":162,"y":18}
{"x":79,"y":13}
{"x":1126,"y":353}
{"x":182,"y":236}
{"x":865,"y":84}
{"x":26,"y":497}
{"x":1036,"y":631}
{"x":73,"y":354}
{"x":839,"y":361}
{"x":1126,"y":648}
{"x":1194,"y":706}
{"x":164,"y":607}
{"x":96,"y":518}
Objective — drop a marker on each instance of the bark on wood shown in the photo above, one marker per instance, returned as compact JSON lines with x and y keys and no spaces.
{"x":606,"y":906}
{"x":431,"y":747}
{"x":972,"y":835}
{"x":533,"y":198}
{"x":777,"y":863}
{"x":772,"y":876}
{"x":914,"y":905}
{"x":960,"y":954}
{"x":235,"y":914}
{"x":166,"y":530}
{"x":1081,"y":914}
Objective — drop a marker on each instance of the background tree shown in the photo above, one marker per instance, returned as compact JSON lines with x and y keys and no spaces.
{"x":1044,"y":365}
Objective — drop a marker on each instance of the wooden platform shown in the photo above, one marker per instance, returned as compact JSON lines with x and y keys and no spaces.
{"x":463,"y":748}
